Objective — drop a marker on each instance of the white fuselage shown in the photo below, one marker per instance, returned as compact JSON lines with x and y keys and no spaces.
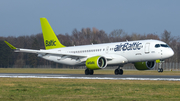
{"x":116,"y":53}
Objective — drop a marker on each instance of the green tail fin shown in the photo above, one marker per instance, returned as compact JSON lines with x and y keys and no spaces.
{"x":50,"y":39}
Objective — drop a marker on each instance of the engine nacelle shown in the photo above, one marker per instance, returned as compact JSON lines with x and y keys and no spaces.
{"x":96,"y":62}
{"x":148,"y":65}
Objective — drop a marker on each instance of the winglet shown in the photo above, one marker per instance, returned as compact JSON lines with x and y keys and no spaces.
{"x":50,"y":39}
{"x":11,"y":46}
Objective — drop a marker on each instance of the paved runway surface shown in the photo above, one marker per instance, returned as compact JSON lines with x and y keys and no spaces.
{"x":95,"y":76}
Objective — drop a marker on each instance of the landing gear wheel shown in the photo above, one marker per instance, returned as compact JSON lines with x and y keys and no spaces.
{"x":160,"y":70}
{"x":121,"y":72}
{"x":89,"y":72}
{"x":118,"y":71}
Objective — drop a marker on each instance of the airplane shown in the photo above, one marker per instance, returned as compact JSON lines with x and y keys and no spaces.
{"x":144,"y":54}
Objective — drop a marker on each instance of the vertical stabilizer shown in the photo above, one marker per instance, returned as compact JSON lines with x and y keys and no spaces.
{"x":50,"y":39}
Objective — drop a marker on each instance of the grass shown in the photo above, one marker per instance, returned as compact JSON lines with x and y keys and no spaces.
{"x":35,"y":89}
{"x":31,"y":89}
{"x":81,"y":71}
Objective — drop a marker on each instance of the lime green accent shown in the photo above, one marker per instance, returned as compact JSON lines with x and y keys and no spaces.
{"x":91,"y":63}
{"x":11,"y":46}
{"x":158,"y":61}
{"x":50,"y":39}
{"x":140,"y":66}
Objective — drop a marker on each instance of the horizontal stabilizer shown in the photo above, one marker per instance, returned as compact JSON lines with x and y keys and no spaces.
{"x":11,"y":46}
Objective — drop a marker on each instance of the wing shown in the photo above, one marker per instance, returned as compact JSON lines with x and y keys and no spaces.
{"x":41,"y":52}
{"x":61,"y":55}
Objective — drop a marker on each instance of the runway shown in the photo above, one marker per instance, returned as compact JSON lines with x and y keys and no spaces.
{"x":95,"y":76}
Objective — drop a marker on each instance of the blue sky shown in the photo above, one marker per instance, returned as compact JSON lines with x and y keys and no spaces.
{"x":21,"y":17}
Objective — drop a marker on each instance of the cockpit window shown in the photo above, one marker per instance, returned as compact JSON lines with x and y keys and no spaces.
{"x":164,"y":45}
{"x":157,"y":45}
{"x":161,"y":45}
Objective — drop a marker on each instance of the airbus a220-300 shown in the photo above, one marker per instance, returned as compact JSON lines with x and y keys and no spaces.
{"x":142,"y":53}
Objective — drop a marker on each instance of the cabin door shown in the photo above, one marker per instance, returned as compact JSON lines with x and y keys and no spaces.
{"x":146,"y":49}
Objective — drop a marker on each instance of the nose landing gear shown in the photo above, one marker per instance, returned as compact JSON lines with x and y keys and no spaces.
{"x":160,"y":69}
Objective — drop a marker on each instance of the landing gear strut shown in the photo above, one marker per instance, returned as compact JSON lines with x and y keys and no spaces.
{"x":118,"y":71}
{"x":89,"y":72}
{"x":160,"y":69}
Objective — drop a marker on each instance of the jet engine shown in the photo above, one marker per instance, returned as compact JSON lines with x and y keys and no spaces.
{"x":96,"y":62}
{"x":148,"y":65}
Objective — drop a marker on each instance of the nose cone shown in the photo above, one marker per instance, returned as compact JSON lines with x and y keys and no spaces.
{"x":169,"y":53}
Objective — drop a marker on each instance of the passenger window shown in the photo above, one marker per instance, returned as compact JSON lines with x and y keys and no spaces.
{"x":157,"y":45}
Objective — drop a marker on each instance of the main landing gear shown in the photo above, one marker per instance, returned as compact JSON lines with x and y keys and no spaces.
{"x":89,"y":72}
{"x":118,"y":71}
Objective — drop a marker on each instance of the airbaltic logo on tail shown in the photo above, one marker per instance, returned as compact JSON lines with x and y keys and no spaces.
{"x":128,"y":46}
{"x":50,"y":43}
